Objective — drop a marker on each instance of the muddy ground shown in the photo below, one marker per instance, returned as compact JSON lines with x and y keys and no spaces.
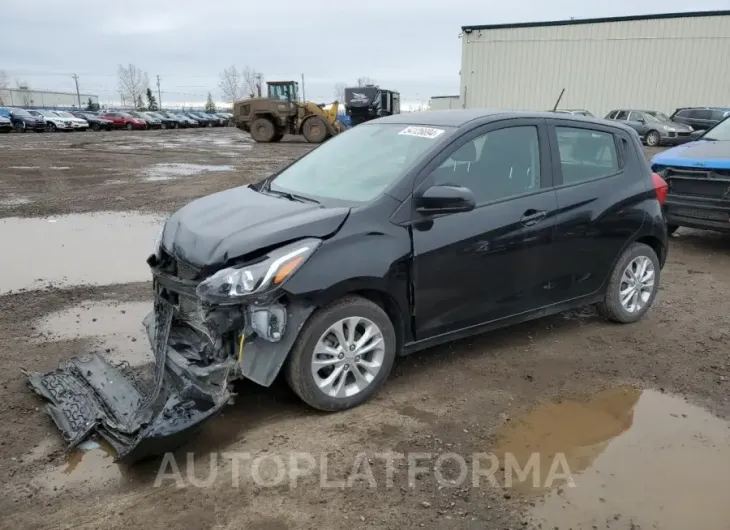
{"x":638,"y":412}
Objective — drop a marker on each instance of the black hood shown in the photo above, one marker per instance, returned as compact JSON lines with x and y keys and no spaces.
{"x":214,"y":229}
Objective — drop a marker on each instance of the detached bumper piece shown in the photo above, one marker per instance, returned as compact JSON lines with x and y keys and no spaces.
{"x":89,"y":395}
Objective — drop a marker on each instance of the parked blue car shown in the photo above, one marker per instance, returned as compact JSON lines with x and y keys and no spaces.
{"x":698,"y":175}
{"x":23,"y":120}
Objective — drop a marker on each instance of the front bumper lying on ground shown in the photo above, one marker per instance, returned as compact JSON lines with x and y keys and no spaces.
{"x":197,"y":351}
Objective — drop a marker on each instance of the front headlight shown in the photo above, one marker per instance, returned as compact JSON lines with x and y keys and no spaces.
{"x":228,"y":286}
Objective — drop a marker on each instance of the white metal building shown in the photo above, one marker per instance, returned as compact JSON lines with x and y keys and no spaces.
{"x":444,"y":102}
{"x":18,"y":97}
{"x":654,"y":62}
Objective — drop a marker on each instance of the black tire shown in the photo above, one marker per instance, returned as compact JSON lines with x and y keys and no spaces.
{"x":298,"y":368}
{"x":51,"y":127}
{"x":653,"y":139}
{"x":672,"y":228}
{"x":314,"y":130}
{"x":611,"y":306}
{"x":96,"y":127}
{"x":129,"y":126}
{"x":19,"y":127}
{"x":263,"y":130}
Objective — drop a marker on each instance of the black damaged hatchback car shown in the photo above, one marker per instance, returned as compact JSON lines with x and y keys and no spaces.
{"x":399,"y":234}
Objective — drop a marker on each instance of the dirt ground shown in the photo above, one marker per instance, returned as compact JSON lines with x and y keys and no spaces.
{"x":639,"y":412}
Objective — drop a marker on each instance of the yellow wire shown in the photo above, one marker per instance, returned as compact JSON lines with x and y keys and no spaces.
{"x":240,"y":348}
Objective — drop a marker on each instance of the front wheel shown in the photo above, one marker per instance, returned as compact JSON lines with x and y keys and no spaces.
{"x":129,"y":126}
{"x":51,"y":127}
{"x":633,"y":285}
{"x":653,"y":139}
{"x":314,"y":130}
{"x":343,"y":355}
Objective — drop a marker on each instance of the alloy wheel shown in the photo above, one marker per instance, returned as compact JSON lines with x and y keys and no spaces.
{"x":348,"y":357}
{"x":637,"y":284}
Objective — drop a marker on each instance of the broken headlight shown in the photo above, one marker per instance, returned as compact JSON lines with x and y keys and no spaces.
{"x":228,"y":286}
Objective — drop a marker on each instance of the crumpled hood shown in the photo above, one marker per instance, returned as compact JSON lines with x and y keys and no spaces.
{"x":700,"y":154}
{"x":211,"y":230}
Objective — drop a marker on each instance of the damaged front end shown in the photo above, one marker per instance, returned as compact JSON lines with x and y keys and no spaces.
{"x":205,"y":330}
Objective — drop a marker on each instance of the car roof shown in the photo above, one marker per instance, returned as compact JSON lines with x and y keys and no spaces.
{"x":460,"y":117}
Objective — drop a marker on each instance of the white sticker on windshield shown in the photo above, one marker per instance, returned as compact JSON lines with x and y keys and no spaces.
{"x":423,"y":132}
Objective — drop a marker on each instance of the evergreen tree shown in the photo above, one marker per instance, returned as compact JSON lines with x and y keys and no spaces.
{"x":139,"y":103}
{"x":209,"y":105}
{"x":151,"y":101}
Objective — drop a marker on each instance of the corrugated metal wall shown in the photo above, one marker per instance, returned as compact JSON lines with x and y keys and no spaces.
{"x":658,"y":64}
{"x":445,"y":102}
{"x":43,"y":98}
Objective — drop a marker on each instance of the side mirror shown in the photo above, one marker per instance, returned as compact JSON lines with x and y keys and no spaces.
{"x":445,"y":199}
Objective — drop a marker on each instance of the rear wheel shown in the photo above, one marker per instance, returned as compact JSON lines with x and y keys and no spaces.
{"x":342,"y":355}
{"x":163,"y":126}
{"x":314,"y":130}
{"x":96,"y":127}
{"x":20,"y":127}
{"x":653,"y":139}
{"x":129,"y":126}
{"x":632,"y":286}
{"x":262,"y":130}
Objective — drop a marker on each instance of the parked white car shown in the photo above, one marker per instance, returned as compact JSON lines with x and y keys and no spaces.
{"x":54,"y":122}
{"x":78,"y":123}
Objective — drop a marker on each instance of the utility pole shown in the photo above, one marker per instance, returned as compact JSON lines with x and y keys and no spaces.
{"x":303,"y":98}
{"x":159,"y":94}
{"x":76,"y":80}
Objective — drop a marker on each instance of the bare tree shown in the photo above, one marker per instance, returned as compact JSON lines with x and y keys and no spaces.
{"x":133,"y":83}
{"x":251,"y":82}
{"x":4,"y":84}
{"x":24,"y":88}
{"x":340,"y":92}
{"x":364,"y":80}
{"x":231,"y":84}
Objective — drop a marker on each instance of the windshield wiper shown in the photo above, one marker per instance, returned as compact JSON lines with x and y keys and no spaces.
{"x":290,"y":196}
{"x":708,"y":139}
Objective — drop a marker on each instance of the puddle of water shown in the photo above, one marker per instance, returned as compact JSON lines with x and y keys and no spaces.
{"x":92,"y":465}
{"x":59,"y":168}
{"x":24,"y":167}
{"x":14,"y":201}
{"x":160,"y":172}
{"x":639,"y":459}
{"x":81,"y":249}
{"x":112,"y":326}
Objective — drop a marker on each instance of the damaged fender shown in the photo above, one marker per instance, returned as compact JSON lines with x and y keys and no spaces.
{"x":262,"y":359}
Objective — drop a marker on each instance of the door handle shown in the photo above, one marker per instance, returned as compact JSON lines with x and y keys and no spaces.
{"x":532,"y":217}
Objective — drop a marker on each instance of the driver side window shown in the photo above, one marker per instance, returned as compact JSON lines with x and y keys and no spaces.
{"x":499,"y":164}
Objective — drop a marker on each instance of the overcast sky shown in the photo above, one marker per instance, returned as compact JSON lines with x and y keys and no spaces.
{"x":411,"y":46}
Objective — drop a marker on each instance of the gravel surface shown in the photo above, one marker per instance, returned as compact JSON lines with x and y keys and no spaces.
{"x":623,"y":404}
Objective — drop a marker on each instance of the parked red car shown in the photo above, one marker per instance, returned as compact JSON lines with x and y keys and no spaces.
{"x":123,"y":120}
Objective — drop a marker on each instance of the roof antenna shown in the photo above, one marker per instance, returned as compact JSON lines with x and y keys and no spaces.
{"x":558,"y":101}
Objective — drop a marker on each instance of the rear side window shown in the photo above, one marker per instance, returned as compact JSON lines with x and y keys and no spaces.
{"x":586,"y":154}
{"x":702,"y":114}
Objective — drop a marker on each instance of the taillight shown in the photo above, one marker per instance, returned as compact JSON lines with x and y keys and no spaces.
{"x":661,"y":188}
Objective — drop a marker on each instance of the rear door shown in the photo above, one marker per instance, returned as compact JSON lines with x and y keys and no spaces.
{"x":598,"y":179}
{"x":701,"y":119}
{"x":494,"y":261}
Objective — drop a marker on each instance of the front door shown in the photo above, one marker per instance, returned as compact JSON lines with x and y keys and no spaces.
{"x":494,"y":261}
{"x":638,"y":123}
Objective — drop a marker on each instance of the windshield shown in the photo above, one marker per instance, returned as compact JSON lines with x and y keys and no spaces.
{"x":359,"y":164}
{"x":721,"y":131}
{"x":64,"y":114}
{"x":125,"y":115}
{"x":21,"y":112}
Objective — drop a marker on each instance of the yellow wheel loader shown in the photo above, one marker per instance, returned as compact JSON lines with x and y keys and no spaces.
{"x":280,"y":112}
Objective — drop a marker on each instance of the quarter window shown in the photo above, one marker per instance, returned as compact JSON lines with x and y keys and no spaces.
{"x":495,"y":165}
{"x":586,"y":154}
{"x":622,"y":115}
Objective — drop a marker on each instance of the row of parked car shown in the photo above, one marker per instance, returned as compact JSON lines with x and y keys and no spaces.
{"x":39,"y":120}
{"x":656,"y":128}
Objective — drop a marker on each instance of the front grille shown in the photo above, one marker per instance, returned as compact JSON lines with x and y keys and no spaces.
{"x":185,"y":271}
{"x":712,"y":183}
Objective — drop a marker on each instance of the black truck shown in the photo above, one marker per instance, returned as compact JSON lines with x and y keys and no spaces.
{"x":369,"y":102}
